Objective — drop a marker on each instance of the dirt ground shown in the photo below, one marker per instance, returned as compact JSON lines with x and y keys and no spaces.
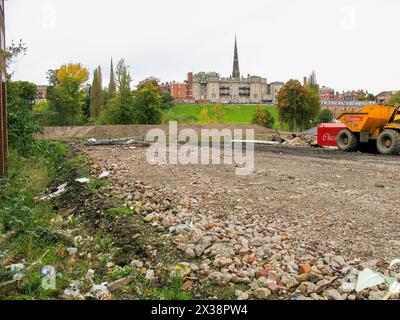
{"x":323,"y":201}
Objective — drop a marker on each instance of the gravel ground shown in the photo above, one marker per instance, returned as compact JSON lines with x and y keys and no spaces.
{"x":303,"y":212}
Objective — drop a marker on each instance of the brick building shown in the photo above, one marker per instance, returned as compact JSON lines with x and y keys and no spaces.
{"x":338,"y":107}
{"x":352,"y":95}
{"x":41,"y":94}
{"x":3,"y":98}
{"x":182,"y":92}
{"x":384,"y":97}
{"x":326,"y":93}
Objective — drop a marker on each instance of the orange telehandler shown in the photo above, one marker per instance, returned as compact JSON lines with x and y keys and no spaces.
{"x":374,"y":124}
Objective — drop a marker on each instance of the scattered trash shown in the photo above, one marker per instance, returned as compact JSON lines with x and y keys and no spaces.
{"x":101,"y":291}
{"x":47,"y":270}
{"x":125,"y":141}
{"x":72,"y":251}
{"x":18,"y":277}
{"x":60,"y":190}
{"x":17,"y":267}
{"x":83,"y":180}
{"x":104,"y":174}
{"x":73,"y":291}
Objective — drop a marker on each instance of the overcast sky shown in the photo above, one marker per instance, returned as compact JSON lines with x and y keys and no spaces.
{"x":352,"y":44}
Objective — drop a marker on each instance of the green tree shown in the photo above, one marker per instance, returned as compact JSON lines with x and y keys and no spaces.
{"x":96,"y":95}
{"x":370,"y":97}
{"x":112,"y":86}
{"x":312,"y":107}
{"x":148,"y":105}
{"x":124,"y":79}
{"x":312,"y":81}
{"x":43,"y":115}
{"x":395,"y":100}
{"x":21,"y":122}
{"x":20,"y":99}
{"x":263,"y":118}
{"x":121,"y":109}
{"x":297,"y":105}
{"x":166,"y":99}
{"x":66,"y":98}
{"x":324,"y":116}
{"x":10,"y":54}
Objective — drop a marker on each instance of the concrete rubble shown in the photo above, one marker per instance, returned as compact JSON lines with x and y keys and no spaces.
{"x":285,"y":232}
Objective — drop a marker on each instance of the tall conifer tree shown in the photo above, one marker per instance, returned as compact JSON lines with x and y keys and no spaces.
{"x":96,"y":94}
{"x":112,"y":87}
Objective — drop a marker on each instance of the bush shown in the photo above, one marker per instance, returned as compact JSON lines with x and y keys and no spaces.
{"x":44,"y":116}
{"x":324,"y":116}
{"x":263,"y":118}
{"x":26,"y":178}
{"x":21,"y":121}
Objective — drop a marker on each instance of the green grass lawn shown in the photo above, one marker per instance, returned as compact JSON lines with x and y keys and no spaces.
{"x":233,"y":114}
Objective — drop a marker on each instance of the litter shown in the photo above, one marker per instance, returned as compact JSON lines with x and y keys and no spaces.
{"x":134,"y":140}
{"x":60,"y":190}
{"x":104,"y":174}
{"x":83,"y":180}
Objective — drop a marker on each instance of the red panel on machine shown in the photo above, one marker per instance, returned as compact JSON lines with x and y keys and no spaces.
{"x":327,"y":133}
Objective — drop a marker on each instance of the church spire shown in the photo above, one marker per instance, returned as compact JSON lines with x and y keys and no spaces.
{"x":236,"y":69}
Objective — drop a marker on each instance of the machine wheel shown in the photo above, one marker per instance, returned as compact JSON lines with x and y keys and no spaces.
{"x":347,"y":141}
{"x":389,"y":142}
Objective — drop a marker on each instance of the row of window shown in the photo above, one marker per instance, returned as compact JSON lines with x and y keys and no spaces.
{"x":344,"y":103}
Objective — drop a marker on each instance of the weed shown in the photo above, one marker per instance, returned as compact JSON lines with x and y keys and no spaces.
{"x":120,"y":212}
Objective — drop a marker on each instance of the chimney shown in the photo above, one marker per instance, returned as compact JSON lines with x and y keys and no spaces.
{"x":305,"y":81}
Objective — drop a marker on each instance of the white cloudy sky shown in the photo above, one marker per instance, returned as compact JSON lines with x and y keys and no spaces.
{"x":351,"y":44}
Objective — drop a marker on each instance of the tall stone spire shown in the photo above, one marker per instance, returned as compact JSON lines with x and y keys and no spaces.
{"x":236,"y":69}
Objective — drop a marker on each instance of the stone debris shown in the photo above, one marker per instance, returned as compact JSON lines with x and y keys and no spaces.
{"x":118,"y":284}
{"x":262,"y":294}
{"x":231,"y":238}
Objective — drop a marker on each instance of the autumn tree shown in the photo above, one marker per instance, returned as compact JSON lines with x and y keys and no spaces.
{"x":67,"y":97}
{"x":204,"y":116}
{"x":96,"y":94}
{"x":297,"y":105}
{"x":218,"y":113}
{"x":263,"y":118}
